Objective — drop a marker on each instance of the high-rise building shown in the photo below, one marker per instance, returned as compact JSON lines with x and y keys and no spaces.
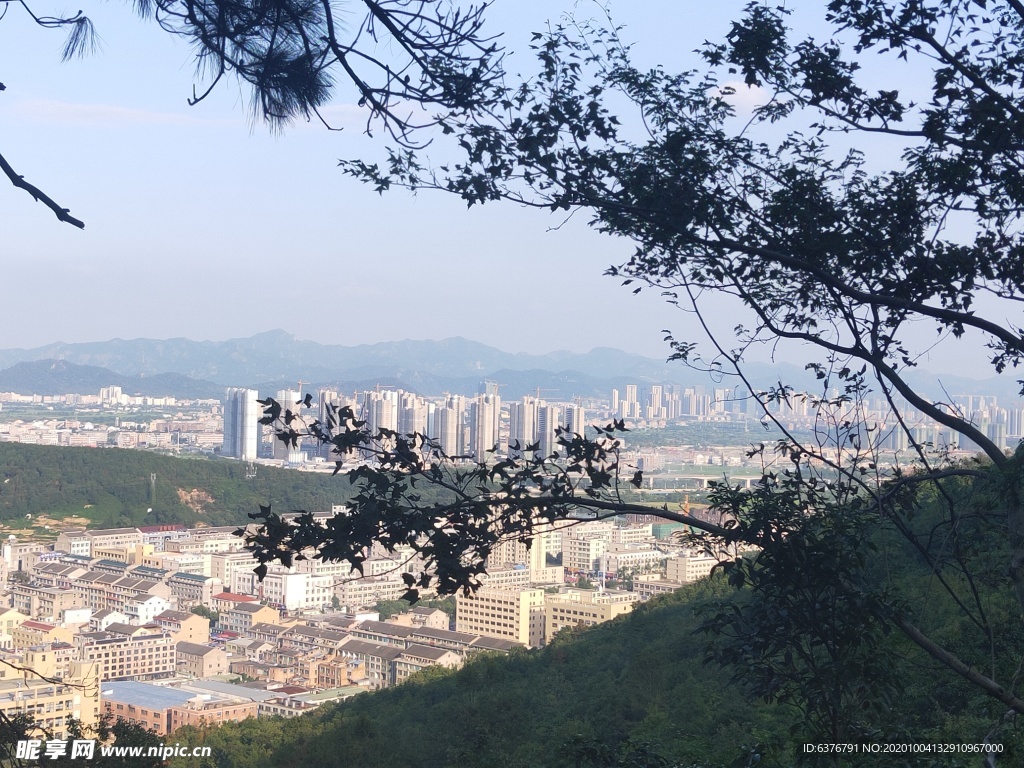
{"x":412,"y":415}
{"x":575,"y":419}
{"x":448,"y":421}
{"x":485,"y":416}
{"x":522,"y":426}
{"x":288,"y":399}
{"x":548,"y":421}
{"x":241,"y":424}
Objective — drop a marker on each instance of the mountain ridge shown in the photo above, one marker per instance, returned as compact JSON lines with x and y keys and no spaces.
{"x":275,"y":359}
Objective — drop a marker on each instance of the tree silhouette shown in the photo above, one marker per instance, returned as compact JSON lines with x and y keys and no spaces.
{"x":291,"y":53}
{"x":839,"y":214}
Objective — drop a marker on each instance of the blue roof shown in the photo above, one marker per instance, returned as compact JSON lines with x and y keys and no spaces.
{"x":140,"y":569}
{"x":231,"y":689}
{"x":143,"y":694}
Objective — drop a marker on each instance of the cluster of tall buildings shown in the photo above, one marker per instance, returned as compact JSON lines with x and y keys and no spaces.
{"x":479,"y":427}
{"x":665,"y":402}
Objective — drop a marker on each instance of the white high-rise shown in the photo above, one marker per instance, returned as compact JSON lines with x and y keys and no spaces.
{"x":288,"y":399}
{"x":548,"y":421}
{"x":522,"y":426}
{"x":485,"y":420}
{"x":241,"y":424}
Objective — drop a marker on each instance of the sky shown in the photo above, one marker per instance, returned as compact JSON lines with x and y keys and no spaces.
{"x":203,"y":225}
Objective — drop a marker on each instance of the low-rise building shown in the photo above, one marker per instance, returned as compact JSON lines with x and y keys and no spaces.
{"x":196,"y":660}
{"x":144,"y":704}
{"x":688,"y":568}
{"x":585,"y":607}
{"x":127,"y":652}
{"x":192,"y":589}
{"x":516,"y":615}
{"x":201,"y":712}
{"x":52,"y":702}
{"x":184,"y":626}
{"x":30,"y":633}
{"x":416,"y":658}
{"x":244,"y":616}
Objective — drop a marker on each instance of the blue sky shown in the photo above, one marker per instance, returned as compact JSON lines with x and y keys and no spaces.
{"x":201,"y":224}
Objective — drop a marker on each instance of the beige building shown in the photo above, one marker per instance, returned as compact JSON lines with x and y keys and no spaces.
{"x":53,"y":701}
{"x":689,"y":568}
{"x":244,"y":616}
{"x":9,"y":619}
{"x":135,"y":554}
{"x":195,"y":660}
{"x":101,"y":591}
{"x":129,"y":653}
{"x":363,"y":593}
{"x":227,"y":600}
{"x":88,"y":542}
{"x":199,"y":713}
{"x":584,"y":607}
{"x":30,"y":633}
{"x":184,"y":626}
{"x":43,"y":602}
{"x":516,"y":615}
{"x":224,"y":565}
{"x":416,"y":658}
{"x":582,"y":551}
{"x":434,"y":618}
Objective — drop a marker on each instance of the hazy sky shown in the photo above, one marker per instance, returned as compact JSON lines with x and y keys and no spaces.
{"x":200,"y":224}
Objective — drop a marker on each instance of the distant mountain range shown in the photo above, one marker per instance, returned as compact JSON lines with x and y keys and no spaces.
{"x":276,"y":360}
{"x":58,"y":377}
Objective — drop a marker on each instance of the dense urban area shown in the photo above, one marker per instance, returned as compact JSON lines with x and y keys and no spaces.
{"x":167,"y":625}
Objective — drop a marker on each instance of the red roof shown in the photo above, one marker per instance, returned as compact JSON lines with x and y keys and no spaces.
{"x":235,"y":598}
{"x":38,"y":625}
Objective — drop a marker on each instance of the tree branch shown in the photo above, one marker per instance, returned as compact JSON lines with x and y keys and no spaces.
{"x":39,"y":195}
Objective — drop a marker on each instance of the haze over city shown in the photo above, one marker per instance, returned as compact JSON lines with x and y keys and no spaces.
{"x":301,"y":468}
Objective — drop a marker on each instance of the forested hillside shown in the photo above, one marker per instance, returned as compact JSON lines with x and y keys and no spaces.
{"x":641,"y":692}
{"x":114,"y":487}
{"x":640,"y":678}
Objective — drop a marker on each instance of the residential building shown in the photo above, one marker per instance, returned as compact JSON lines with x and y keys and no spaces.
{"x":50,"y":701}
{"x":688,"y":568}
{"x":129,"y":653}
{"x":30,"y":633}
{"x":184,"y":626}
{"x":584,"y":607}
{"x":241,"y":424}
{"x":196,"y":660}
{"x":244,"y":616}
{"x":43,"y":602}
{"x":193,"y":589}
{"x":516,"y":615}
{"x":144,"y":704}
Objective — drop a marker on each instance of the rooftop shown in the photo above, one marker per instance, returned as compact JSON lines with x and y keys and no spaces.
{"x":144,"y":694}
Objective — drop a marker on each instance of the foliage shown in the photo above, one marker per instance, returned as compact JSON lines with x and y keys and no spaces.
{"x":112,"y":486}
{"x":837,"y":250}
{"x":106,"y":732}
{"x":290,"y":53}
{"x":638,"y":678}
{"x":451,"y":511}
{"x":389,"y":608}
{"x":206,"y":613}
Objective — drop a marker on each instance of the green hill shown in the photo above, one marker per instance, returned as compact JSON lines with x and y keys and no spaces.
{"x":639,"y":678}
{"x":112,"y":487}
